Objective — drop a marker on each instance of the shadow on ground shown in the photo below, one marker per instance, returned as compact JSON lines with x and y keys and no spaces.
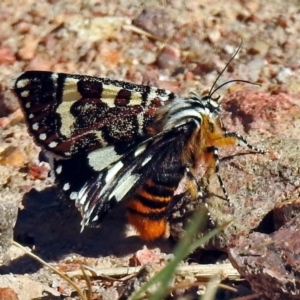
{"x":52,"y":226}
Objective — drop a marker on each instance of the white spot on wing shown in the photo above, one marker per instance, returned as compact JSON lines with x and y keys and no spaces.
{"x":73,"y":195}
{"x":102,"y":158}
{"x":22,"y":83}
{"x":66,"y":186}
{"x":35,"y":126}
{"x":28,"y":105}
{"x":31,"y":116}
{"x":42,"y":136}
{"x":53,"y":144}
{"x":25,"y":94}
{"x":58,"y":169}
{"x":54,"y":77}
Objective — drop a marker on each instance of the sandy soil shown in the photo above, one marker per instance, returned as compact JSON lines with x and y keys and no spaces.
{"x":178,"y":45}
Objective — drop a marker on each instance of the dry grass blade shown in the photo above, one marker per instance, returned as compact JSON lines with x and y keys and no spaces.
{"x":211,"y":288}
{"x":142,"y":32}
{"x":88,"y":282}
{"x":63,"y":276}
{"x":225,"y":270}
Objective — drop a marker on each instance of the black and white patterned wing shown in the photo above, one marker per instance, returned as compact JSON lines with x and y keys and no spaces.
{"x":72,"y":114}
{"x":157,"y":159}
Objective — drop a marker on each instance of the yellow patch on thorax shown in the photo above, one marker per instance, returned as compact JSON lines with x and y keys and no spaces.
{"x":210,"y":134}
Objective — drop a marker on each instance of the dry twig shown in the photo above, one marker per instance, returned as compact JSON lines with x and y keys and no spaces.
{"x":225,"y":271}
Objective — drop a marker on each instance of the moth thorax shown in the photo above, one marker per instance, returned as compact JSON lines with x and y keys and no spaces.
{"x":175,"y":115}
{"x":193,"y":150}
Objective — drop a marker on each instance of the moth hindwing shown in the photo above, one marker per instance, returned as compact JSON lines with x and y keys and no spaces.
{"x":112,"y":140}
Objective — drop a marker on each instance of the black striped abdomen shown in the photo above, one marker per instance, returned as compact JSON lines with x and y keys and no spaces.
{"x":147,"y":207}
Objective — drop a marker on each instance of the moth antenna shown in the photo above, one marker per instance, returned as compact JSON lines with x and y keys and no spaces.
{"x":212,"y":91}
{"x":230,"y":81}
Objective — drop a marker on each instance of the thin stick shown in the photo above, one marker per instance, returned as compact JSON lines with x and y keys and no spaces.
{"x":78,"y":290}
{"x":225,"y":270}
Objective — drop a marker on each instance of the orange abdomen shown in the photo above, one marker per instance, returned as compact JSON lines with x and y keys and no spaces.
{"x":147,"y":209}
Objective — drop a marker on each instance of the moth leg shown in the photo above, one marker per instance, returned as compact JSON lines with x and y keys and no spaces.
{"x":194,"y":188}
{"x":241,"y":141}
{"x":213,"y":161}
{"x":196,"y":191}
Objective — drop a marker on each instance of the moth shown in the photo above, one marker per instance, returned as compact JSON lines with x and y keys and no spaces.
{"x":112,"y":141}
